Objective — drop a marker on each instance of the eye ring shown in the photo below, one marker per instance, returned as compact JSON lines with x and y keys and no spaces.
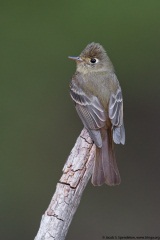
{"x":93,"y":60}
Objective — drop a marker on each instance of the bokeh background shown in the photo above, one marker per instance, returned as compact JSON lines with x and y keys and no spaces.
{"x":39,"y":124}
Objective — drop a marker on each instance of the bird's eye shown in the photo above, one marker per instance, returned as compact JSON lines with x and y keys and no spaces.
{"x":93,"y":60}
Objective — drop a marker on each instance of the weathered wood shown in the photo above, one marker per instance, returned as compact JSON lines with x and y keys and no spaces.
{"x":76,"y":173}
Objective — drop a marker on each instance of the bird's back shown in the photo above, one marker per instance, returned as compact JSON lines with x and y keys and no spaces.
{"x":100,"y":84}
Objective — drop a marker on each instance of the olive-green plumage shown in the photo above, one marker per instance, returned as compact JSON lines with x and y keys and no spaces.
{"x":98,"y":100}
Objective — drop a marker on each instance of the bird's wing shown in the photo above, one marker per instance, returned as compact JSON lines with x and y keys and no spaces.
{"x":116,"y":116}
{"x":90,"y":111}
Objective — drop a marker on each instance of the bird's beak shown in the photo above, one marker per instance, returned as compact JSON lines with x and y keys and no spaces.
{"x":79,"y":59}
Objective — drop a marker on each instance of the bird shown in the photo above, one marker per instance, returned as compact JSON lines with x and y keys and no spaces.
{"x":97,"y":95}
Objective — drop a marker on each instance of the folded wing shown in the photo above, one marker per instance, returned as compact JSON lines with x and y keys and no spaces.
{"x":90,"y":111}
{"x":116,"y":116}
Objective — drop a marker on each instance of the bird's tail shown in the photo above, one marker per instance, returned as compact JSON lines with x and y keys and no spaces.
{"x":105,"y":167}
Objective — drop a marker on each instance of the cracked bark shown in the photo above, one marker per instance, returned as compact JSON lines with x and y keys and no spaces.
{"x":76,"y":172}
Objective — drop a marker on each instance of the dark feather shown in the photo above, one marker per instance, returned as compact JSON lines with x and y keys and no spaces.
{"x":90,"y":111}
{"x":105,"y":167}
{"x":116,"y":116}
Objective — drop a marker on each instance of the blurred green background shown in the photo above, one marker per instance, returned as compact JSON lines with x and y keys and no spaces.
{"x":39,"y":124}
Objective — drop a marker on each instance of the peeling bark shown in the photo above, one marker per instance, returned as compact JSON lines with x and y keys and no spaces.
{"x":76,"y":173}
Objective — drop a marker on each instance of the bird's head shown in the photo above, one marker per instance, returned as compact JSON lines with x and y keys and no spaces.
{"x":93,"y":58}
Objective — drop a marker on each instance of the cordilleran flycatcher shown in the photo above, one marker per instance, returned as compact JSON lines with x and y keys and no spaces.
{"x":97,"y":94}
